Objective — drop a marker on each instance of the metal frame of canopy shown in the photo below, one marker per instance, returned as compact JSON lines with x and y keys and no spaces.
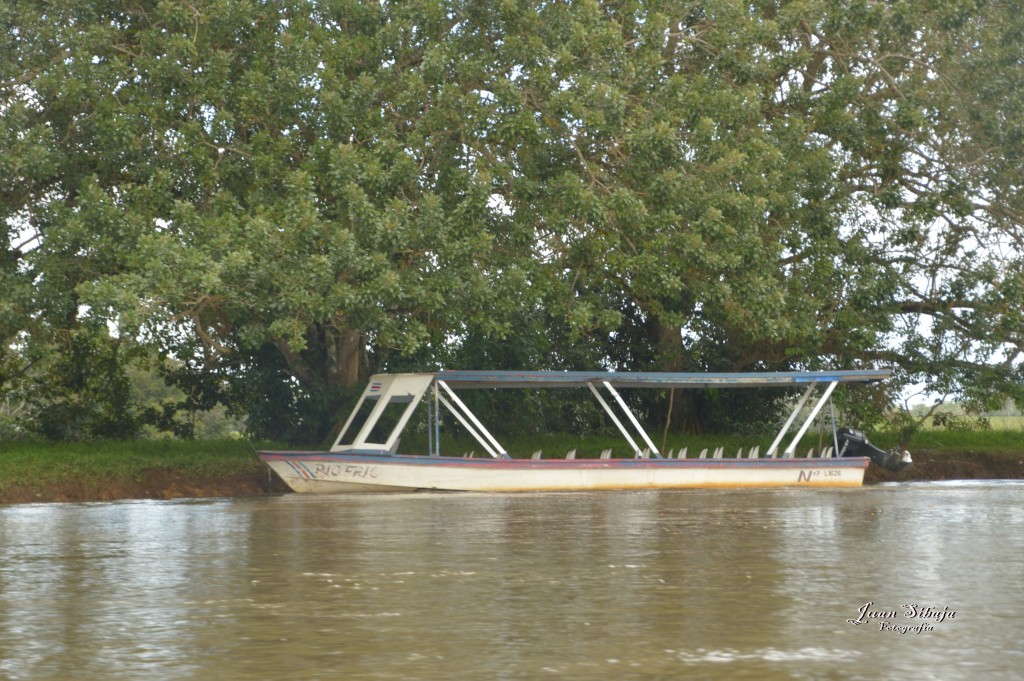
{"x":385,"y":390}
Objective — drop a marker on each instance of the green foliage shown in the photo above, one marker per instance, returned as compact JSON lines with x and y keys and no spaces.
{"x":86,"y":392}
{"x":286,"y":196}
{"x":960,"y":422}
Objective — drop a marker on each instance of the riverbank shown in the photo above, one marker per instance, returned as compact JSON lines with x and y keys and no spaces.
{"x":154,"y":483}
{"x":958,"y":465}
{"x":144,"y":469}
{"x":230,"y":470}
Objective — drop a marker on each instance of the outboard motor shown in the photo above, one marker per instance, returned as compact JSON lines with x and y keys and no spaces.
{"x":855,"y":443}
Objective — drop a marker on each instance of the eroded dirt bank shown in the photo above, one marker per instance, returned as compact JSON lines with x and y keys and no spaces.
{"x":967,"y":465}
{"x":151,"y":484}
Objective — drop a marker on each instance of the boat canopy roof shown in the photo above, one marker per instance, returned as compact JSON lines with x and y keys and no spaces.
{"x":400,"y":393}
{"x":660,"y":379}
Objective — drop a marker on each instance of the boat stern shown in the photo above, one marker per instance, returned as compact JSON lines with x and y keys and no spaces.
{"x":855,"y":443}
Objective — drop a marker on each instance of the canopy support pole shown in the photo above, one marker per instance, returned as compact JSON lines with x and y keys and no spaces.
{"x":430,"y":423}
{"x":477,"y":429}
{"x":614,"y":418}
{"x":789,"y":422}
{"x":791,"y":449}
{"x":835,"y":433}
{"x":629,"y":414}
{"x":437,"y":420}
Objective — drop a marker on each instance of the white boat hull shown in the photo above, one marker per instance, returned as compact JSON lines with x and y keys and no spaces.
{"x":330,"y":473}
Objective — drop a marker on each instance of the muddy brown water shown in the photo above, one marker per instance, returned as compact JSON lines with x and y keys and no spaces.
{"x":913,"y":580}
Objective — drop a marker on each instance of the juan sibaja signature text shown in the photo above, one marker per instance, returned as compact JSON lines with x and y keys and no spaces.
{"x":888,"y":620}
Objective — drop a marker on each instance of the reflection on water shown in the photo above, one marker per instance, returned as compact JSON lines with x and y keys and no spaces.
{"x":692,"y":584}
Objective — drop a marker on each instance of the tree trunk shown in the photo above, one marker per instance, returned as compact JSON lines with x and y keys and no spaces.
{"x":347,"y":369}
{"x":670,"y":358}
{"x":687,"y":410}
{"x":347,"y":363}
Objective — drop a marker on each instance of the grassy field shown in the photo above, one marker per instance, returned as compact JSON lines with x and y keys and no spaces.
{"x":1012,"y":423}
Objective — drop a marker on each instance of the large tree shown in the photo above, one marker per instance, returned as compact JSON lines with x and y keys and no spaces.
{"x":284,"y":195}
{"x":738,"y":185}
{"x":264,"y":189}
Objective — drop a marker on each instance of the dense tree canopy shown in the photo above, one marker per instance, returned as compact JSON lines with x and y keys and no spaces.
{"x":283,"y":195}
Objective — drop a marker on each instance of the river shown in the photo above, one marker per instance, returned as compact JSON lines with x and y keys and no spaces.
{"x":652,"y":585}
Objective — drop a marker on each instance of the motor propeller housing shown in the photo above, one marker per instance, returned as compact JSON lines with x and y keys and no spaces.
{"x":854,"y":442}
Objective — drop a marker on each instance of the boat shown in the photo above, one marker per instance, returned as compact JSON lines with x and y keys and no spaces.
{"x":365,"y":456}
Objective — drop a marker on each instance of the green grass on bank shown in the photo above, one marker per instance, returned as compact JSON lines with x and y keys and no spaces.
{"x":996,"y":440}
{"x":34,"y":462}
